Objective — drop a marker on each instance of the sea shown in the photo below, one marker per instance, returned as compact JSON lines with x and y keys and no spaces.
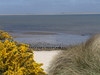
{"x":68,"y":29}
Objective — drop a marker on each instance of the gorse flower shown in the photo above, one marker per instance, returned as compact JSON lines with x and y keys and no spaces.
{"x":17,"y":58}
{"x":4,"y":35}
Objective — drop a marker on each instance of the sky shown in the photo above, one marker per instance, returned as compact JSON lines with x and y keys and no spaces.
{"x":49,"y":6}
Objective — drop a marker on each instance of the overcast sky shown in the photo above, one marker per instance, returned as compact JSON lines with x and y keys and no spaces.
{"x":49,"y":6}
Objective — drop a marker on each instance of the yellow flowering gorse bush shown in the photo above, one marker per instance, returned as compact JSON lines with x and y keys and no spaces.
{"x":17,"y":58}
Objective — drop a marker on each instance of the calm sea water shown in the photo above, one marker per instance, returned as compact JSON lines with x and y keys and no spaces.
{"x":83,"y":24}
{"x":62,"y":24}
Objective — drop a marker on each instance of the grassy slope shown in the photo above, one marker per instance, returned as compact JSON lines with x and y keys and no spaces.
{"x":82,"y":59}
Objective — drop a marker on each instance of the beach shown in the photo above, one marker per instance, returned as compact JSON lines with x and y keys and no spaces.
{"x":50,"y":31}
{"x":50,"y":37}
{"x":45,"y":57}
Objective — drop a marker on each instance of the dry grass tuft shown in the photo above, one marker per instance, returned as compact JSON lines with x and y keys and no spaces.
{"x":81,"y":59}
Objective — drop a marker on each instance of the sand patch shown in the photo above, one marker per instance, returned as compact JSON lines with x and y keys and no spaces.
{"x":44,"y":57}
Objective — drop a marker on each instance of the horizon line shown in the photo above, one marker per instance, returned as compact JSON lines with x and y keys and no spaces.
{"x":47,"y":13}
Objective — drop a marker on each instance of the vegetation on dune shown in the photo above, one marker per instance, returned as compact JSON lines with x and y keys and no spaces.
{"x":82,"y":59}
{"x":17,"y":58}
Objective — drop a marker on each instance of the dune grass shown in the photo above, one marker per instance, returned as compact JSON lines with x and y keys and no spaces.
{"x":81,"y":59}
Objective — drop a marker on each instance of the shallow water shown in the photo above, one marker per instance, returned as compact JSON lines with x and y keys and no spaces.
{"x":52,"y":40}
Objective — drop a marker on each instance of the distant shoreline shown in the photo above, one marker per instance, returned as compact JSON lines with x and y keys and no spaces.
{"x":52,"y":14}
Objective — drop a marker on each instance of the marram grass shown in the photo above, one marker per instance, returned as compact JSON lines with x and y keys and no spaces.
{"x":17,"y":58}
{"x":81,"y":59}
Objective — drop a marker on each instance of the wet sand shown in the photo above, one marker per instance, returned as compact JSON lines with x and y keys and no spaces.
{"x":40,"y":33}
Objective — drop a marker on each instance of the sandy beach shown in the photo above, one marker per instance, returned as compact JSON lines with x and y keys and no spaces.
{"x":44,"y":57}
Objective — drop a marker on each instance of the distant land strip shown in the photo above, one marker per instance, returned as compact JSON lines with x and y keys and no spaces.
{"x":50,"y":13}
